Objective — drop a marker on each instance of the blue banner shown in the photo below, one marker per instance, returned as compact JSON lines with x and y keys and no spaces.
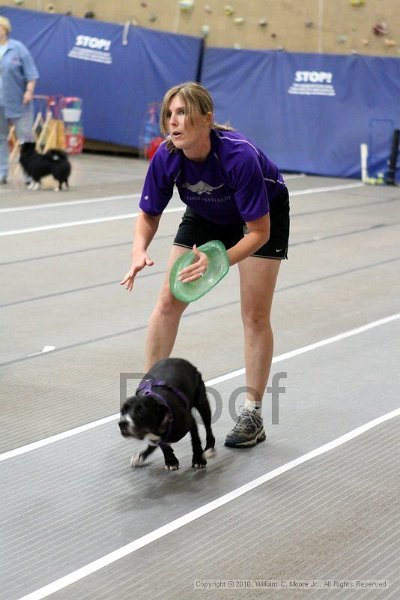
{"x":117,"y":71}
{"x":309,"y":112}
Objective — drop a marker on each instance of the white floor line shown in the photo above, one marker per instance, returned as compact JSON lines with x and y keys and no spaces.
{"x":188,"y":518}
{"x":132,"y":215}
{"x":287,"y":355}
{"x":84,"y":222}
{"x":68,"y":204}
{"x":287,"y":176}
{"x":334,"y":188}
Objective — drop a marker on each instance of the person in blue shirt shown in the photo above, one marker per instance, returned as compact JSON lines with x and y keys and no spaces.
{"x":234,"y":193}
{"x":17,"y":84}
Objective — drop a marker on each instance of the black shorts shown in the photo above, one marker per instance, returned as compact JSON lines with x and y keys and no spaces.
{"x":197,"y":230}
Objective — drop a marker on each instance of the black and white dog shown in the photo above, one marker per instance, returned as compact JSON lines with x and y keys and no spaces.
{"x":161,"y":412}
{"x":37,"y":166}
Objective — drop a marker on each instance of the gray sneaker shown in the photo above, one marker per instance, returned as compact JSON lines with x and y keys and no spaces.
{"x":248,"y":431}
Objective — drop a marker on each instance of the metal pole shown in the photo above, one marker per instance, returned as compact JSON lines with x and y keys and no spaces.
{"x":364,"y":162}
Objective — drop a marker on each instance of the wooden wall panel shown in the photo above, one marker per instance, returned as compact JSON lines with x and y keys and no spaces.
{"x":330,"y":26}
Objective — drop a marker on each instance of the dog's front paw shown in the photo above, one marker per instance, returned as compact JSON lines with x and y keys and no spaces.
{"x":137,"y":460}
{"x":172,"y":464}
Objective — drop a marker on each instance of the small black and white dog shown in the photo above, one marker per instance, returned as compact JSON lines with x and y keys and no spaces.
{"x":37,"y":166}
{"x":161,"y":412}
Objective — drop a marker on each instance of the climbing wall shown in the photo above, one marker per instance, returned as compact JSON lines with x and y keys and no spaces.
{"x":369,"y":27}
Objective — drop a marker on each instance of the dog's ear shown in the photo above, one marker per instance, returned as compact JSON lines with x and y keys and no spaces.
{"x":141,"y":411}
{"x":128,"y":403}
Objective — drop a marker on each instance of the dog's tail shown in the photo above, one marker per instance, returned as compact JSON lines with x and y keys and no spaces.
{"x":56,"y":155}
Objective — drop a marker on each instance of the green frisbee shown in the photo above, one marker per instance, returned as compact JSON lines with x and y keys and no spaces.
{"x":218,"y":267}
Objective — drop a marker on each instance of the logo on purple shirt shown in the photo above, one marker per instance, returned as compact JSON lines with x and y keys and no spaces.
{"x":201,"y":187}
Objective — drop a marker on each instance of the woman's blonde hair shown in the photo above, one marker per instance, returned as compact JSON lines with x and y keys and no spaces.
{"x":196,"y":100}
{"x":4,"y":22}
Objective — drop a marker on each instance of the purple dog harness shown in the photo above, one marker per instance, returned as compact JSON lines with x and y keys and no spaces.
{"x":146,"y":389}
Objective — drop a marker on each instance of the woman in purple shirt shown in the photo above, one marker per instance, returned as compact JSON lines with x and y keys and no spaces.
{"x":233,"y":193}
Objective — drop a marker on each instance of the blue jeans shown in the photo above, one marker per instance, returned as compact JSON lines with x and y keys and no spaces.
{"x":23,"y":131}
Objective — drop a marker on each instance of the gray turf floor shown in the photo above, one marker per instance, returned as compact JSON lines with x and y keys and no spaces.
{"x":68,"y":496}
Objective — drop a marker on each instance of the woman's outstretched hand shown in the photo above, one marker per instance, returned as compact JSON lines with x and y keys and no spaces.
{"x":137,"y":265}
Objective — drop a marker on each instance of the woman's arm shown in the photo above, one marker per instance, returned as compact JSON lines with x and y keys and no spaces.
{"x":29,"y":91}
{"x":257,"y":236}
{"x":145,"y":230}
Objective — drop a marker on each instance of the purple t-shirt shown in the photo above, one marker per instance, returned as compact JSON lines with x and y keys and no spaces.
{"x":235,"y":183}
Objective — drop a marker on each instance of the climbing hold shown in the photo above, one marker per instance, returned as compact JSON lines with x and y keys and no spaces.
{"x":380,"y":28}
{"x":186,"y":5}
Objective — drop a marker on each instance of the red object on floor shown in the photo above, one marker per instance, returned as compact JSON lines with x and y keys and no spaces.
{"x":152,"y":147}
{"x":74,"y":143}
